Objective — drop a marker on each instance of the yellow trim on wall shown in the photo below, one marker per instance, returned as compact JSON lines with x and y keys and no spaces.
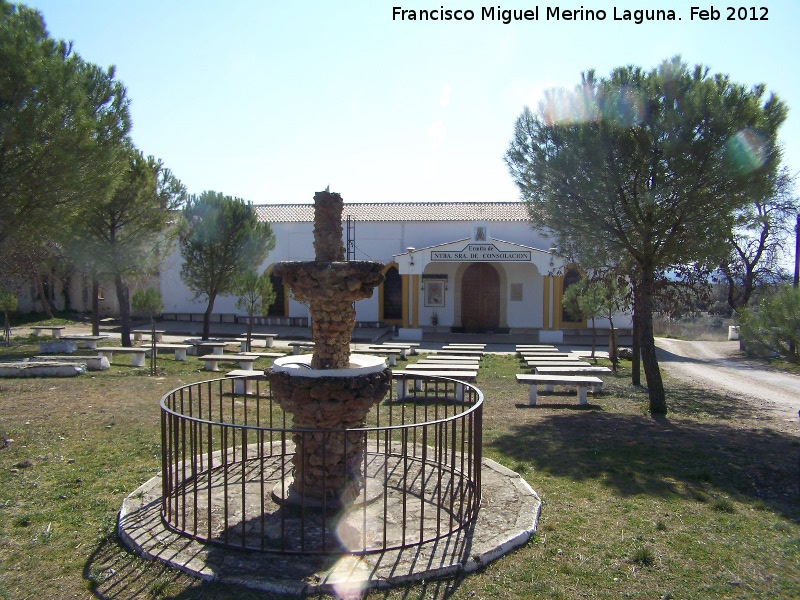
{"x":546,"y":303}
{"x":558,"y":297}
{"x":404,"y":282}
{"x":415,"y":301}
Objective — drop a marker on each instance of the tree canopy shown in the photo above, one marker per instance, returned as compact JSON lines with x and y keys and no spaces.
{"x":220,"y":237}
{"x":123,"y":234}
{"x":62,"y":124}
{"x":646,"y":169}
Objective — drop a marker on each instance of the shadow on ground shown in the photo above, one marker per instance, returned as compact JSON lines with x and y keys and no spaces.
{"x":659,"y":457}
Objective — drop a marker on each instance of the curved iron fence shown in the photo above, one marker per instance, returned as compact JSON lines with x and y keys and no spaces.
{"x":227,"y":451}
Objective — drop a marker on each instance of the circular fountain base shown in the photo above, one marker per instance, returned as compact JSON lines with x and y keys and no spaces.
{"x":371,"y":490}
{"x":508,"y":521}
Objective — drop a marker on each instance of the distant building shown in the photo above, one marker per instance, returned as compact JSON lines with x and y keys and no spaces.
{"x":458,"y":266}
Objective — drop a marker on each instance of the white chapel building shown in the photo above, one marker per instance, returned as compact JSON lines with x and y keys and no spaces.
{"x":449,"y":266}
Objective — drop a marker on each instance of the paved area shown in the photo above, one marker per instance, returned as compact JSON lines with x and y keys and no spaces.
{"x":507,"y":519}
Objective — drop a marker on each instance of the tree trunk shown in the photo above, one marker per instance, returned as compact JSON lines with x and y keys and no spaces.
{"x":655,"y":387}
{"x":249,"y":344}
{"x":153,"y":349}
{"x":612,"y":345}
{"x":594,"y":339}
{"x":636,"y":349}
{"x":7,"y":329}
{"x":207,"y":316}
{"x":43,"y":298}
{"x":124,"y":301}
{"x":95,"y":305}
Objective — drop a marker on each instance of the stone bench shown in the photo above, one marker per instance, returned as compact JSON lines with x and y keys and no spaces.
{"x":243,"y":380}
{"x":137,"y":354}
{"x":88,"y":341}
{"x":138,"y":333}
{"x":212,"y":361}
{"x":533,"y":364}
{"x":411,"y":347}
{"x":198,"y":347}
{"x":390,"y":351}
{"x":93,"y":363}
{"x":520,"y":347}
{"x":180,"y":349}
{"x":582,"y":382}
{"x":423,"y":365}
{"x":411,"y":377}
{"x":297,"y":347}
{"x":267,"y":338}
{"x":41,"y":369}
{"x":461,"y":351}
{"x":55,"y":330}
{"x":571,"y":370}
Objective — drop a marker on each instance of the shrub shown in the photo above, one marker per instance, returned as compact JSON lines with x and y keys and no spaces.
{"x":773,"y":327}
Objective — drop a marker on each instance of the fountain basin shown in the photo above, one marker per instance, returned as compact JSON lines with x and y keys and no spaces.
{"x":300,"y":366}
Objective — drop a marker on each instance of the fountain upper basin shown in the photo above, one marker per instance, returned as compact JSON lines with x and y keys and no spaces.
{"x":300,"y":366}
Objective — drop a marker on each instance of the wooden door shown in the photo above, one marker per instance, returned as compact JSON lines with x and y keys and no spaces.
{"x":480,"y":298}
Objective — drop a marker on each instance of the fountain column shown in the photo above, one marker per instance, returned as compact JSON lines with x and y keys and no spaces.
{"x":334,"y":390}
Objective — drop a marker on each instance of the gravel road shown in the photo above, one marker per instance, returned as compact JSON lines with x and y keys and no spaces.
{"x":718,"y":366}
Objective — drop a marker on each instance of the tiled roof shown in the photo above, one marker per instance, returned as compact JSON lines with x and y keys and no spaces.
{"x":401,"y":211}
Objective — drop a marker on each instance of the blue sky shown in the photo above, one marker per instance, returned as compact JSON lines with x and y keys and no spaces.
{"x":271,"y":101}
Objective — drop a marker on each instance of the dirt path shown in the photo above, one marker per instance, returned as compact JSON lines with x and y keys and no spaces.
{"x":718,"y":366}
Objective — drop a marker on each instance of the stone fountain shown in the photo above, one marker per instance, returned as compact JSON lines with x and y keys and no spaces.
{"x":331,"y":390}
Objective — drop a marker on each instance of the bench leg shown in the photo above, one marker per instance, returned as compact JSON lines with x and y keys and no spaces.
{"x":243,"y":346}
{"x":137,"y":359}
{"x":392,"y":360}
{"x":211,"y":365}
{"x":218,"y":350}
{"x":581,"y":394}
{"x":296,"y":350}
{"x":56,"y":333}
{"x":241,"y":385}
{"x":533,"y":395}
{"x":159,"y":337}
{"x":180,"y":354}
{"x":459,"y":392}
{"x":268,"y":342}
{"x":401,"y":389}
{"x":137,"y":336}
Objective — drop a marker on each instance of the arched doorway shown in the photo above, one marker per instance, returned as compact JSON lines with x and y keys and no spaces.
{"x":480,"y":298}
{"x":393,"y":296}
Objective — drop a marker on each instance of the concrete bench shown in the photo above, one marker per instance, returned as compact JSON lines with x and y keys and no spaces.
{"x":520,"y":347}
{"x":468,"y":346}
{"x":179,"y":349}
{"x":269,"y":338}
{"x":213,"y":345}
{"x":452,"y":357}
{"x":423,"y":365}
{"x":556,"y":363}
{"x":88,"y":341}
{"x":93,"y":363}
{"x":212,"y":361}
{"x":138,"y":333}
{"x":55,"y":330}
{"x":457,"y":350}
{"x":411,"y":347}
{"x":572,"y":370}
{"x":389,"y":349}
{"x":582,"y":382}
{"x":137,"y":354}
{"x":243,"y":380}
{"x":41,"y":369}
{"x":297,"y":347}
{"x":411,"y":377}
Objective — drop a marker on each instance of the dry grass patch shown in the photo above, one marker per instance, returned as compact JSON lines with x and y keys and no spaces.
{"x":700,"y":504}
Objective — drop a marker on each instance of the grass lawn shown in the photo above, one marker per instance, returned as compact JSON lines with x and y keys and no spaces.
{"x":703,"y":503}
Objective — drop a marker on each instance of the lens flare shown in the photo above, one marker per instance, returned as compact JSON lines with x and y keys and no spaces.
{"x":747,"y":150}
{"x":349,"y":578}
{"x":565,"y":107}
{"x":624,"y":106}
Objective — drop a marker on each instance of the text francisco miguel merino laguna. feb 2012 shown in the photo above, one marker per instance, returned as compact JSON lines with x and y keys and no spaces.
{"x":556,"y":13}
